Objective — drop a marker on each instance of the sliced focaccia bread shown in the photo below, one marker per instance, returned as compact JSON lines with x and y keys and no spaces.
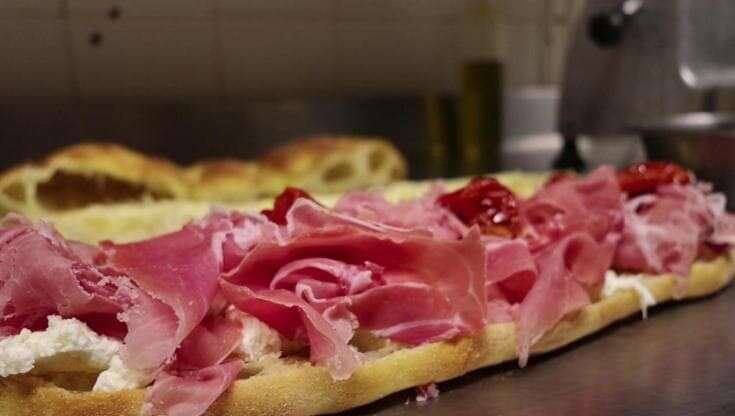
{"x":295,"y":387}
{"x":85,"y":174}
{"x":94,"y":174}
{"x":337,"y":164}
{"x":241,"y":313}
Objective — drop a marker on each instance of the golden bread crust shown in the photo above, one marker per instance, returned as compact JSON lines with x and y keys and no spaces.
{"x":80,"y":174}
{"x":231,"y":180}
{"x":300,"y":389}
{"x":99,"y":173}
{"x":337,"y":164}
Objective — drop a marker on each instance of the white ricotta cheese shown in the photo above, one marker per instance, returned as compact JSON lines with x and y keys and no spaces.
{"x":119,"y":377}
{"x":258,"y":339}
{"x":615,"y":283}
{"x":68,"y":345}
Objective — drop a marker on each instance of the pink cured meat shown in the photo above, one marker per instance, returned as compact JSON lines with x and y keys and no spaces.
{"x":65,"y":282}
{"x":663,"y":231}
{"x":176,"y":312}
{"x":510,"y":267}
{"x":591,"y":204}
{"x":420,"y":213}
{"x":568,"y":269}
{"x":455,"y":269}
{"x":723,"y":231}
{"x":328,"y":336}
{"x":189,"y":393}
{"x":42,"y":274}
{"x":572,"y":228}
{"x":332,"y":259}
{"x":179,"y":270}
{"x":209,"y":343}
{"x":323,"y":282}
{"x":377,"y":298}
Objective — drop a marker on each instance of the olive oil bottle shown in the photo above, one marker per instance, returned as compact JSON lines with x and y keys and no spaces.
{"x":481,"y":116}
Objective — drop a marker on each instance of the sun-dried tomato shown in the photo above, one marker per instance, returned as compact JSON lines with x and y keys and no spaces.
{"x":487,"y":203}
{"x":283,"y":203}
{"x":643,"y":178}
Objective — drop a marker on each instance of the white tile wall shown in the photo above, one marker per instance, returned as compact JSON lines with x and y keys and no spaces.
{"x":30,"y":9}
{"x":142,"y":9}
{"x":561,"y":11}
{"x":35,"y":61}
{"x":388,"y":57}
{"x":278,"y":56}
{"x":266,"y":47}
{"x":401,"y":10}
{"x":477,"y":38}
{"x":247,"y":9}
{"x":554,"y":54}
{"x":448,"y":41}
{"x":145,"y":58}
{"x":521,"y":53}
{"x":532,"y":12}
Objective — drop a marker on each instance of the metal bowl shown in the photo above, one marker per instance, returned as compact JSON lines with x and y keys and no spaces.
{"x":703,"y":142}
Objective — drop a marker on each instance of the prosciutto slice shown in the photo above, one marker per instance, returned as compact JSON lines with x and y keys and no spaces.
{"x":420,"y":213}
{"x":178,"y":274}
{"x":572,"y":228}
{"x":568,"y":269}
{"x":663,"y":231}
{"x":188,"y":393}
{"x":330,"y":259}
{"x":511,"y":267}
{"x":178,"y":270}
{"x":209,"y":343}
{"x":42,"y":274}
{"x":723,"y":231}
{"x":592,"y":205}
{"x":327,"y":334}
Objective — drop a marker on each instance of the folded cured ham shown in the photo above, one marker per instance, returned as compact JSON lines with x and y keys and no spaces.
{"x":306,"y":309}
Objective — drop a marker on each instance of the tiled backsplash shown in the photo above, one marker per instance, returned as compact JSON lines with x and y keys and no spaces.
{"x":94,"y":48}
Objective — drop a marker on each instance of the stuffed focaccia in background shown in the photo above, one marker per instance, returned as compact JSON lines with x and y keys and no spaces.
{"x":102,"y":174}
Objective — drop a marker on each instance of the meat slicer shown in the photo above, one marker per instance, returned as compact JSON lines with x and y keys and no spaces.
{"x":657,"y":70}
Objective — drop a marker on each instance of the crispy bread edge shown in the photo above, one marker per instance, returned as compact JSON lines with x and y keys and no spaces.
{"x":302,"y":389}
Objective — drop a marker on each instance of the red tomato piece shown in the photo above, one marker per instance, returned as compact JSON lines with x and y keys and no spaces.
{"x":487,"y":203}
{"x":283,"y":203}
{"x":643,"y":178}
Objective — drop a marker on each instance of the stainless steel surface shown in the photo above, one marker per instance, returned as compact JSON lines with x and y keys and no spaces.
{"x":678,"y":362}
{"x":703,"y":142}
{"x":707,"y":42}
{"x":606,"y":29}
{"x":606,"y":89}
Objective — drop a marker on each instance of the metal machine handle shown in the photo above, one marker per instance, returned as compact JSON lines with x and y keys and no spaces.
{"x":606,"y":29}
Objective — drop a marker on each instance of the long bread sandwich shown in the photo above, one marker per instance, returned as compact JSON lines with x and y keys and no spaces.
{"x":306,"y":309}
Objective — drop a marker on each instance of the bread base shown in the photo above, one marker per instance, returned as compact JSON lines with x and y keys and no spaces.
{"x":300,"y":389}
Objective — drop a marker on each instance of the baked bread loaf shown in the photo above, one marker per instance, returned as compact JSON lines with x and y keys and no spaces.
{"x":101,"y":174}
{"x":337,"y":164}
{"x":296,"y":388}
{"x":307,"y":275}
{"x":86,"y":174}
